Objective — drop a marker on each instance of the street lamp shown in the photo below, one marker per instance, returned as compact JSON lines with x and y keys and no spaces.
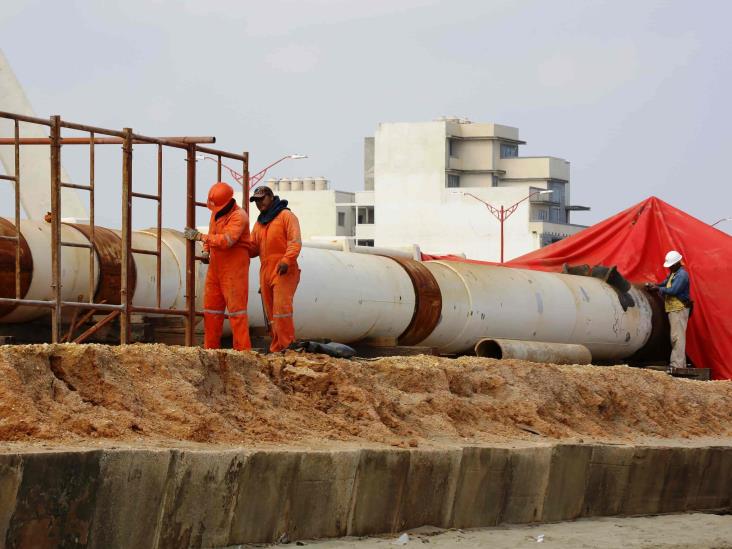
{"x":501,"y":214}
{"x":257,"y":177}
{"x":723,"y":219}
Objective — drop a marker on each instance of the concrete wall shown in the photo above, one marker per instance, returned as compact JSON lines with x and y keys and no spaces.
{"x":368,"y":163}
{"x":196,"y":498}
{"x":538,"y":167}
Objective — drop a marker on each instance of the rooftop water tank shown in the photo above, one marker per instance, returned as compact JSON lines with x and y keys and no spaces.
{"x":296,"y":184}
{"x":285,"y":184}
{"x":321,"y":184}
{"x":308,"y":184}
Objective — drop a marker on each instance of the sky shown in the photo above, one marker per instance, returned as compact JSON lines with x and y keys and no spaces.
{"x":635,"y":94}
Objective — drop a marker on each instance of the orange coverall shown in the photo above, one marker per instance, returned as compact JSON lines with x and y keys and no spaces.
{"x":278,"y":241}
{"x":227,"y":280}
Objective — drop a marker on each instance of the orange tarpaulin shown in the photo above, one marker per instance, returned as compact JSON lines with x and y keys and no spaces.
{"x":636,"y":241}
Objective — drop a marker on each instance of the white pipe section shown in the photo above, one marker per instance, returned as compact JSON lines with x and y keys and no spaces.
{"x":344,"y":297}
{"x":484,"y":301}
{"x":35,"y":166}
{"x":348,"y":297}
{"x":74,"y":269}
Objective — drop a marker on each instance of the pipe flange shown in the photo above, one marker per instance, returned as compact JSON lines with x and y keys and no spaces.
{"x":7,"y":266}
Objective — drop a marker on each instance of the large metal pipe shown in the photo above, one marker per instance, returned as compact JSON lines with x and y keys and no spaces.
{"x":480,"y":301}
{"x":349,"y":297}
{"x":534,"y":351}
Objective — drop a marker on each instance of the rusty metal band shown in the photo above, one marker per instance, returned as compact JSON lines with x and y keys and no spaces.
{"x":108,"y":247}
{"x":428,"y":302}
{"x":7,"y":266}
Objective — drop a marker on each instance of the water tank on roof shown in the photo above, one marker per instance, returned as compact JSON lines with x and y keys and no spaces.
{"x":308,"y":184}
{"x":285,"y":184}
{"x":321,"y":184}
{"x":273,"y":184}
{"x":296,"y":184}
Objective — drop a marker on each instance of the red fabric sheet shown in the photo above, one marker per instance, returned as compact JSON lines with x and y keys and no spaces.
{"x":636,"y":241}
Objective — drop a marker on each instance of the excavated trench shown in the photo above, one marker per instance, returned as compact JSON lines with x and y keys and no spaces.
{"x":157,"y":446}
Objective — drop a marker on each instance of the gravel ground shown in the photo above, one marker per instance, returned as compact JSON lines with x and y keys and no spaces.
{"x":164,"y":394}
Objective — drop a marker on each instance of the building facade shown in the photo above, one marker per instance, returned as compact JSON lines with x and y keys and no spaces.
{"x":322,"y":211}
{"x":427,"y":183}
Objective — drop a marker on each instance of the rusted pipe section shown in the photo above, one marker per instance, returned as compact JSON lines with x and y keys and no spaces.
{"x":126,"y":289}
{"x":108,"y":247}
{"x":185,"y":140}
{"x":534,"y":351}
{"x":190,"y":280}
{"x":24,"y":118}
{"x":93,"y":329}
{"x":223,"y":154}
{"x":56,"y":227}
{"x":428,"y":302}
{"x":8,"y":265}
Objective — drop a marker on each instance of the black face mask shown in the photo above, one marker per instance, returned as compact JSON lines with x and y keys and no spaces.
{"x":226,"y":209}
{"x":273,"y":211}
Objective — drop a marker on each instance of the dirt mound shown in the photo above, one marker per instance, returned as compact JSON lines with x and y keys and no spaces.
{"x":157,"y":393}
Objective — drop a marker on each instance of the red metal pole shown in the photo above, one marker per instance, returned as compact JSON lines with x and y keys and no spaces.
{"x":502,"y":219}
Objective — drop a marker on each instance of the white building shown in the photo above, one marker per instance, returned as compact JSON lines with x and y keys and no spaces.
{"x":322,"y":212}
{"x":425,"y":182}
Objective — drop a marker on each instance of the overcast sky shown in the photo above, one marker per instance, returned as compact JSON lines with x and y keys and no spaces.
{"x":635,"y":94}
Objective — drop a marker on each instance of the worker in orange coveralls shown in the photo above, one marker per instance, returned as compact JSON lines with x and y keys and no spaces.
{"x":226,"y":246}
{"x":276,"y":240}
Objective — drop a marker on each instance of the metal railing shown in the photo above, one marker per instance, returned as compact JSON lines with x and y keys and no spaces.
{"x":124,"y":307}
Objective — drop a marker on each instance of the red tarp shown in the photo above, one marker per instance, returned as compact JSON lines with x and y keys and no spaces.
{"x":636,"y":240}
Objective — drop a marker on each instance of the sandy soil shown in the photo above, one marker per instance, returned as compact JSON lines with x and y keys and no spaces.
{"x":670,"y":531}
{"x":159,"y":394}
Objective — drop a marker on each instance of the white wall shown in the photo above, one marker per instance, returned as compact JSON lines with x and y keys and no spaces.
{"x":414,"y":206}
{"x":409,"y":178}
{"x":456,"y":224}
{"x":316,"y":211}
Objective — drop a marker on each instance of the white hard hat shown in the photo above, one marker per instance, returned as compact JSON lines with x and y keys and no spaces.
{"x":672,"y":258}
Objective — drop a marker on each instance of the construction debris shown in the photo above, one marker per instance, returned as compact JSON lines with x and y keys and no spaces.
{"x":159,"y":395}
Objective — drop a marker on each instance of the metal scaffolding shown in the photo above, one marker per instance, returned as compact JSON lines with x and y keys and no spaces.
{"x":117,"y":302}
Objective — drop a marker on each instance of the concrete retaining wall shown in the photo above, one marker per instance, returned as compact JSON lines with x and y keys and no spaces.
{"x":179,"y":498}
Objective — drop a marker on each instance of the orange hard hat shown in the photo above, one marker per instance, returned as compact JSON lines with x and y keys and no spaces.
{"x":219,"y":196}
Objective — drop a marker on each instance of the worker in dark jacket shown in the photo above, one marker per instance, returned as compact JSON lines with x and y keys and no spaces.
{"x":276,"y":240}
{"x":675,"y":290}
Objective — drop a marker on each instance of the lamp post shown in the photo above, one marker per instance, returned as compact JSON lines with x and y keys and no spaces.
{"x":723,"y":219}
{"x":257,"y":177}
{"x":502,"y":213}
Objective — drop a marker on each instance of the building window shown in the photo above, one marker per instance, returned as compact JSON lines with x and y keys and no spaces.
{"x":452,"y":148}
{"x":495,"y":180}
{"x":508,"y":150}
{"x":558,"y":189}
{"x":368,"y":242}
{"x":366,"y":215}
{"x":341,"y":219}
{"x":545,"y":239}
{"x":453,"y":180}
